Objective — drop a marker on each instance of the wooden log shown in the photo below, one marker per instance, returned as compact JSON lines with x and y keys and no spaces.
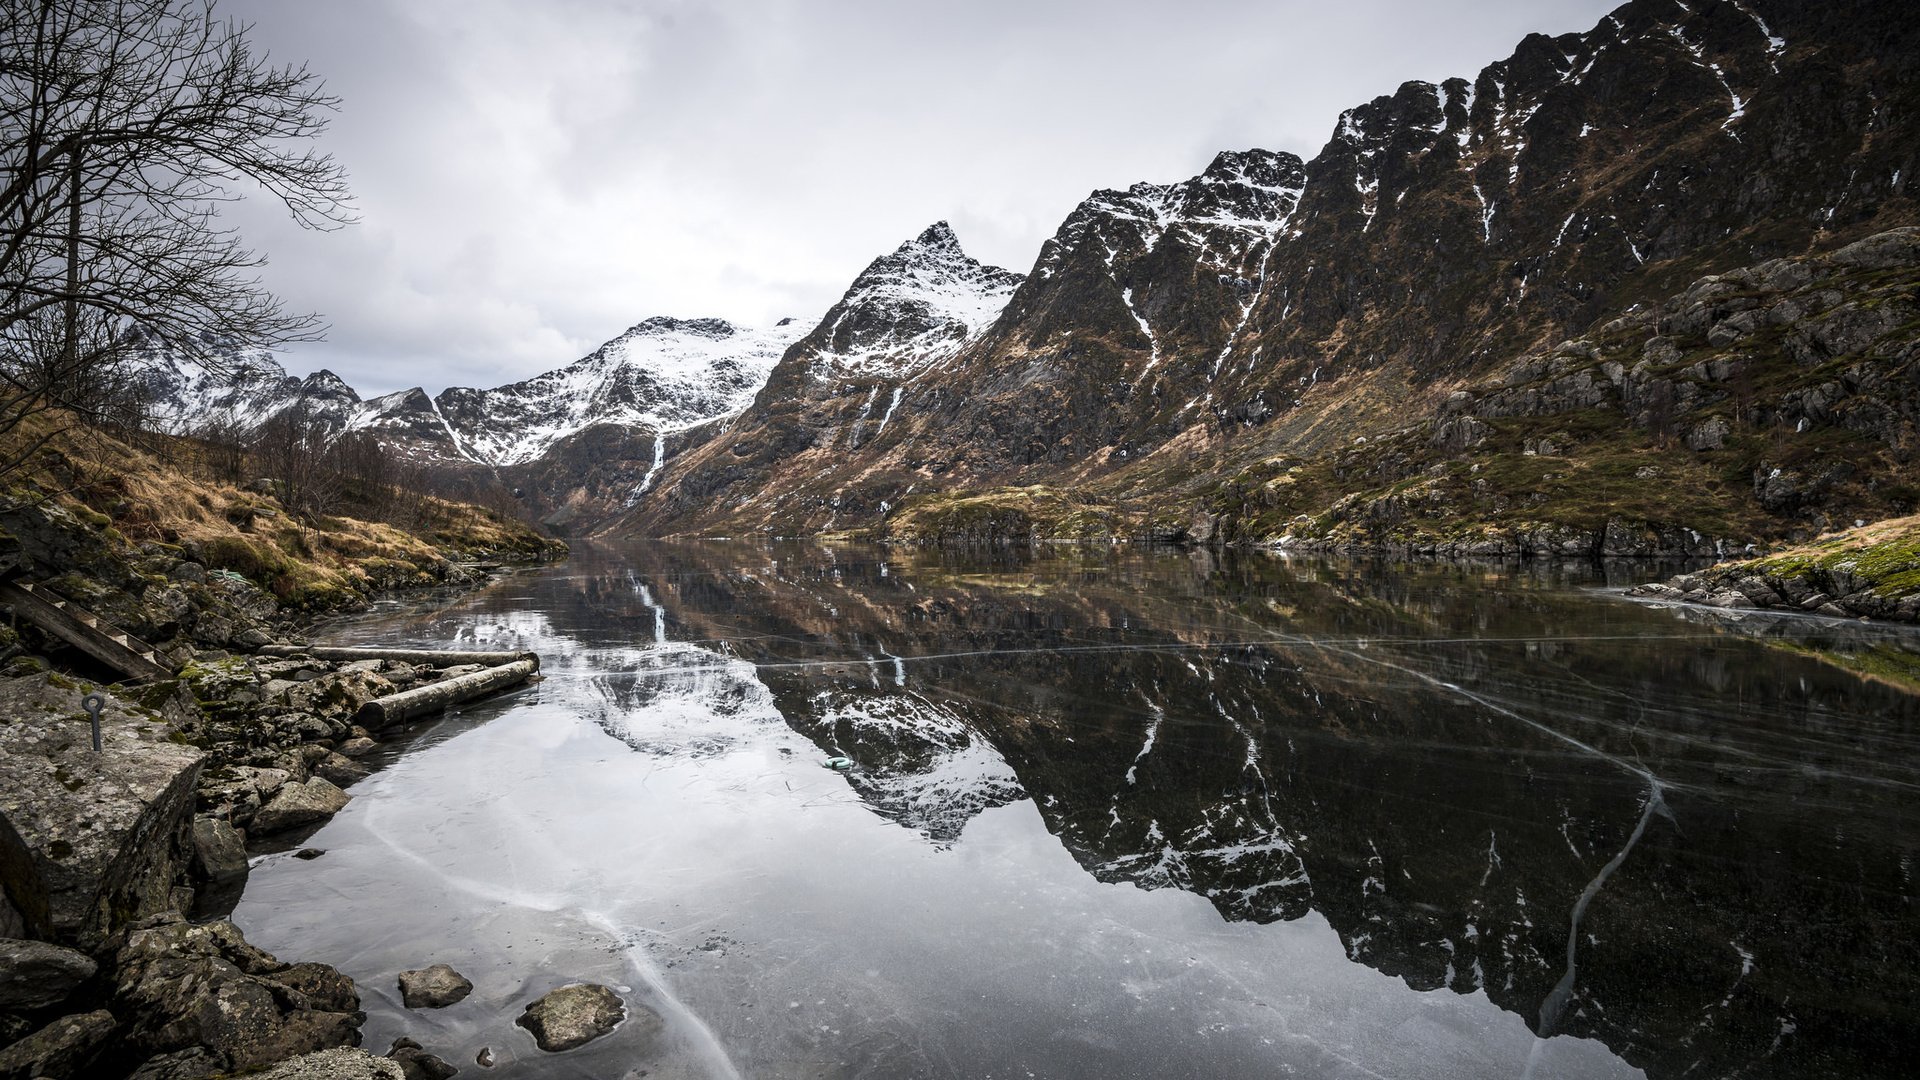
{"x":428,"y":657}
{"x":395,"y":708}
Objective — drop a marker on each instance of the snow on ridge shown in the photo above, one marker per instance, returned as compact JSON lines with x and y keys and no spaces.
{"x":663,"y":374}
{"x":913,"y":308}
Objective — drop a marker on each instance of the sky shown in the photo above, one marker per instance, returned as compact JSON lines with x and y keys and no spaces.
{"x":532,"y":179}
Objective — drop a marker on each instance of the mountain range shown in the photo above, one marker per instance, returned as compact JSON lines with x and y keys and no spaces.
{"x":1281,"y":347}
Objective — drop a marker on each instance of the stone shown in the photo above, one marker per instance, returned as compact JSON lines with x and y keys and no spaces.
{"x":358,"y":746}
{"x":193,"y":1063}
{"x":60,"y":1050}
{"x":183,"y":985}
{"x":340,"y":771}
{"x":414,"y":1060}
{"x":1710,"y":434}
{"x":300,"y":804}
{"x":433,"y":987}
{"x":572,"y":1016}
{"x":36,"y":974}
{"x":219,"y":850}
{"x":88,"y":841}
{"x":339,"y":1064}
{"x":1882,"y":251}
{"x":484,"y":1058}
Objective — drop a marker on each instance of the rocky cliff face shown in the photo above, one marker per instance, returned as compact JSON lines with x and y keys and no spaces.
{"x":834,"y":395}
{"x":1269,"y":305}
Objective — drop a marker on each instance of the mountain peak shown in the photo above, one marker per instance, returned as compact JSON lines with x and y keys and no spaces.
{"x":913,"y":307}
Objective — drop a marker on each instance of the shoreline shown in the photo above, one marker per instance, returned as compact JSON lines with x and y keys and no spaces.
{"x":120,"y":866}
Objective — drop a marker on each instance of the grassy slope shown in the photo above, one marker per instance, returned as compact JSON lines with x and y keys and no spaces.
{"x":134,"y":497}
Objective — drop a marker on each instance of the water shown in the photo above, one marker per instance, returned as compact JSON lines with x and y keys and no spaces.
{"x":1131,"y":814}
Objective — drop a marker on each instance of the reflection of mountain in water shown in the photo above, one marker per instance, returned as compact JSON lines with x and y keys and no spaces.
{"x":916,"y":761}
{"x":1440,"y":768}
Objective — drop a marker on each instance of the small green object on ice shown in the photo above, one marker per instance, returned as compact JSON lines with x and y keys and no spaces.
{"x":839,"y":763}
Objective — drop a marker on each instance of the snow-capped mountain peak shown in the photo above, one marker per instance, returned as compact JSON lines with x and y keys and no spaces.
{"x":663,"y":374}
{"x":911,"y":309}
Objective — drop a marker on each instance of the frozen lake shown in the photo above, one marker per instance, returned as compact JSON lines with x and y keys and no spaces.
{"x":1119,"y":813}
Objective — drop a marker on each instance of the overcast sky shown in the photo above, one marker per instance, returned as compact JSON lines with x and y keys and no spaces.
{"x":533,"y":178}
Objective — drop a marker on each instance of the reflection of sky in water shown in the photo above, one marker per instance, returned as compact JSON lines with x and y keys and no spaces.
{"x":1059,"y":790}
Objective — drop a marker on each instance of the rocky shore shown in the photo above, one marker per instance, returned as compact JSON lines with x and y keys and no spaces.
{"x":117,"y":865}
{"x":1869,"y":572}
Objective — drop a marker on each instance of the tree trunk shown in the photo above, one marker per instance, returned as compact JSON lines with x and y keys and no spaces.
{"x":428,"y":657}
{"x":394,"y":708}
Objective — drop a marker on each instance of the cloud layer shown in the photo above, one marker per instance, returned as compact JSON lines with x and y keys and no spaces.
{"x":532,"y":179}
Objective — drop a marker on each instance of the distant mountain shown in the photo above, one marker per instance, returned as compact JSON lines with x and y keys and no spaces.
{"x":663,"y":375}
{"x":903,"y":320}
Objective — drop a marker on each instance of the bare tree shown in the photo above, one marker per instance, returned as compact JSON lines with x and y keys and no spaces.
{"x":124,"y":125}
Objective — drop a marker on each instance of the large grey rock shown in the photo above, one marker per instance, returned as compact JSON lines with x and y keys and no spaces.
{"x":1882,"y":251}
{"x":300,"y":804}
{"x":184,"y":985}
{"x":335,"y":1065}
{"x":60,"y":1050}
{"x":433,"y":987}
{"x":36,"y":974}
{"x":193,"y":1063}
{"x":88,"y":841}
{"x":219,"y":851}
{"x":572,"y":1016}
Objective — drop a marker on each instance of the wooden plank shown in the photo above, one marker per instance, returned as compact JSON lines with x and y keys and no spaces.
{"x":120,"y":651}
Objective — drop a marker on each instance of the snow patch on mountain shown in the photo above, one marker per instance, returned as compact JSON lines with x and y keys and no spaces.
{"x":912,"y":309}
{"x":663,"y":374}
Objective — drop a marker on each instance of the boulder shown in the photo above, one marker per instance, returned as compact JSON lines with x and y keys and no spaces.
{"x":300,"y":804}
{"x":219,"y":850}
{"x":433,"y":987}
{"x":88,"y":841}
{"x":414,"y":1060}
{"x":60,"y":1050}
{"x":193,"y":1063}
{"x":340,"y":771}
{"x":1882,"y":251}
{"x":184,"y":985}
{"x":358,"y":746}
{"x":572,"y":1016}
{"x":36,"y":974}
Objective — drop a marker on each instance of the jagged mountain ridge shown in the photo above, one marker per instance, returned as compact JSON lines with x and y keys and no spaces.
{"x":1442,"y":230}
{"x":661,"y":375}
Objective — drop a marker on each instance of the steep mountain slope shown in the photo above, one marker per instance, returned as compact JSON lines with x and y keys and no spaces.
{"x":1168,"y":336}
{"x":905,"y":317}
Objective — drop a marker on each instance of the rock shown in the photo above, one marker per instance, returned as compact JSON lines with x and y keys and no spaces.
{"x":301,"y":804}
{"x":336,"y":1065}
{"x":433,"y":987}
{"x":88,"y":841}
{"x":184,"y":985}
{"x":219,"y":850}
{"x":358,"y":746}
{"x":341,"y":771}
{"x":417,"y":1063}
{"x":36,"y":974}
{"x":572,"y":1016}
{"x":193,"y":1063}
{"x":60,"y":1050}
{"x":1710,"y":434}
{"x":484,"y":1058}
{"x":1882,"y":251}
{"x":308,"y":854}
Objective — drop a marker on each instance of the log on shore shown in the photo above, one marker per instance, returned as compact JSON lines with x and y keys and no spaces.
{"x":394,"y":708}
{"x":427,"y":657}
